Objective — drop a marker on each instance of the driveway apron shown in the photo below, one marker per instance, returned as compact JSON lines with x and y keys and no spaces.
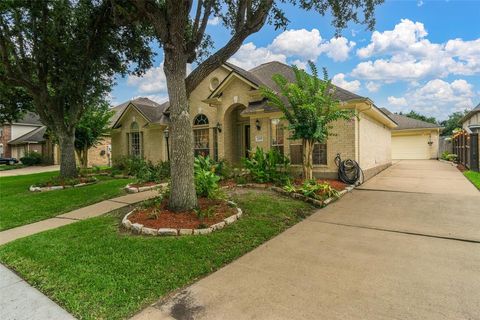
{"x":406,"y":245}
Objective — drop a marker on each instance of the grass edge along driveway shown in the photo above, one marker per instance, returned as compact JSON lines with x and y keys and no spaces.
{"x":95,"y":271}
{"x":19,"y":206}
{"x":474,"y":178}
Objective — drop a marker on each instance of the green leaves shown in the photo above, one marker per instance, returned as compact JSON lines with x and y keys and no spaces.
{"x":311,"y":106}
{"x":267,"y":166}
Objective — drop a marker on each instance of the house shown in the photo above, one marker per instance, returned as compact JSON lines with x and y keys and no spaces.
{"x":230,"y":117}
{"x":414,"y":139}
{"x":28,"y":134}
{"x":471,"y":121}
{"x":23,"y":136}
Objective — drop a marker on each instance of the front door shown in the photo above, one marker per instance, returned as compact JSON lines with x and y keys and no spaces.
{"x":246,"y":140}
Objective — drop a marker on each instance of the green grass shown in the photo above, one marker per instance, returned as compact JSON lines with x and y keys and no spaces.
{"x":97,"y":272}
{"x":474,"y":177}
{"x":4,"y":167}
{"x":19,"y":206}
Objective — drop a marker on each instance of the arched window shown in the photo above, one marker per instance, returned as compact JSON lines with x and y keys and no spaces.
{"x":201,"y":137}
{"x":200,"y":120}
{"x":135,"y":140}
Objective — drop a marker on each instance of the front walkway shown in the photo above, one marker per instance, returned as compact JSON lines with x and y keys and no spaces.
{"x":404,"y":246}
{"x":93,"y":210}
{"x":28,"y":170}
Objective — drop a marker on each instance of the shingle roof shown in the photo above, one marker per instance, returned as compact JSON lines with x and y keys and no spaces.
{"x":34,"y":136}
{"x":405,"y":123}
{"x":151,"y":110}
{"x":471,"y":113}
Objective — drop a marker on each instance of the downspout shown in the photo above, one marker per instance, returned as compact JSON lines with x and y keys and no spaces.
{"x":358,"y":131}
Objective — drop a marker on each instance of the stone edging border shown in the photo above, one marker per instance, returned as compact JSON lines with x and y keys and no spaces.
{"x":141,"y":229}
{"x":52,"y":188}
{"x":315,"y":202}
{"x":131,"y":189}
{"x":448,"y":162}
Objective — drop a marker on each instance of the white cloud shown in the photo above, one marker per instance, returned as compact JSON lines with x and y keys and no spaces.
{"x":250,"y":56}
{"x":373,"y":86}
{"x":339,"y":80}
{"x":213,"y":21}
{"x":436,"y":98}
{"x":294,"y":45}
{"x":397,"y":102}
{"x":153,"y":81}
{"x":420,"y":3}
{"x":405,"y":53}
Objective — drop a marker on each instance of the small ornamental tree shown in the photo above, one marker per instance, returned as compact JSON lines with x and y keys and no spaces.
{"x":91,"y":128}
{"x":180,"y":27}
{"x":310,"y":110}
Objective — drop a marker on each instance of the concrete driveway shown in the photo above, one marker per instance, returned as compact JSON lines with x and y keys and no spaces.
{"x":405,"y":246}
{"x":28,"y":170}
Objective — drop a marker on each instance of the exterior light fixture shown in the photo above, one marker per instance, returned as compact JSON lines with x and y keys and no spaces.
{"x":166,"y":133}
{"x":257,"y":124}
{"x":219,"y":127}
{"x":275,"y":122}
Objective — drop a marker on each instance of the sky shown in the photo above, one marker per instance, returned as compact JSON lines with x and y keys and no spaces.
{"x":422,"y":55}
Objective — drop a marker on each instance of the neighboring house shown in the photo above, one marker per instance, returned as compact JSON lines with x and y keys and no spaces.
{"x":28,"y":135}
{"x":471,"y":121}
{"x":230,"y":117}
{"x":414,"y":139}
{"x":23,"y":136}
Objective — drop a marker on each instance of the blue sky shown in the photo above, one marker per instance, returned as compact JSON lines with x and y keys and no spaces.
{"x":422,"y":56}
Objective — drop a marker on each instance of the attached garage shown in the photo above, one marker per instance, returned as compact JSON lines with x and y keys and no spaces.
{"x":413,"y":139}
{"x":410,"y":147}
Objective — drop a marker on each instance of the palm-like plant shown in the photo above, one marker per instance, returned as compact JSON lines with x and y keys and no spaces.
{"x":310,"y":110}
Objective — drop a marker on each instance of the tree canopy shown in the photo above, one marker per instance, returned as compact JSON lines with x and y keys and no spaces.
{"x":415,"y":115}
{"x":65,"y":54}
{"x":452,"y":123}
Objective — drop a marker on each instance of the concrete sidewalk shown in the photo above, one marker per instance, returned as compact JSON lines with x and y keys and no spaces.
{"x":28,"y":170}
{"x":20,"y":301}
{"x":93,"y":210}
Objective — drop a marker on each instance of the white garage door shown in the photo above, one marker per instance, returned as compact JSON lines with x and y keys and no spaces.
{"x":410,"y":147}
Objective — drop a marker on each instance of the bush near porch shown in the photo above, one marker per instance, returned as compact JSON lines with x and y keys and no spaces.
{"x":95,"y":272}
{"x":19,"y":206}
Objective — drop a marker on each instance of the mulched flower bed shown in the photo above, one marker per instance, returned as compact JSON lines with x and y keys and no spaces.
{"x":162,"y":217}
{"x":59,"y":183}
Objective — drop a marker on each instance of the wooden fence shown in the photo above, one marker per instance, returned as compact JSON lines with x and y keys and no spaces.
{"x":465,"y":146}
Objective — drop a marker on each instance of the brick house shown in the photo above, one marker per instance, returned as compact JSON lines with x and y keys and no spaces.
{"x":230,"y":117}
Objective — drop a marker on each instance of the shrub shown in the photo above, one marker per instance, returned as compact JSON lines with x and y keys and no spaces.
{"x":268,"y":166}
{"x":32,"y":158}
{"x":206,"y":181}
{"x":142,"y":170}
{"x":448,"y":156}
{"x":313,"y":189}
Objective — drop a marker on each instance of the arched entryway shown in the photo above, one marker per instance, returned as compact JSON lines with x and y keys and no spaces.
{"x":236,"y":134}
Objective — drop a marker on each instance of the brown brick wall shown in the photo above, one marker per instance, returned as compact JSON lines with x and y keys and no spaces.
{"x":6,"y":136}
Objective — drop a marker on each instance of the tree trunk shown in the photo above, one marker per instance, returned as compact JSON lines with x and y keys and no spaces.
{"x":182,"y":192}
{"x":68,"y":164}
{"x":84,"y":159}
{"x":307,"y":146}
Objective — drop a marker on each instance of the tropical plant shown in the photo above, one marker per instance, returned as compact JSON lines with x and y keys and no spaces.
{"x":313,"y":189}
{"x":206,"y":183}
{"x":311,"y":109}
{"x":270,"y":166}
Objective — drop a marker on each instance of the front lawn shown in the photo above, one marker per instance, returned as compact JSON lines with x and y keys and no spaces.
{"x":97,"y":272}
{"x":19,"y":206}
{"x":474,"y":177}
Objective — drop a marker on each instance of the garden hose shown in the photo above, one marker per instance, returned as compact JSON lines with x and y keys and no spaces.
{"x":349,"y":170}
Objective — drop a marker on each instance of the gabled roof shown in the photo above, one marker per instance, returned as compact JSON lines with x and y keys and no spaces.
{"x":406,"y":123}
{"x":152,"y":111}
{"x":471,"y":113}
{"x":34,"y":136}
{"x":29,"y":118}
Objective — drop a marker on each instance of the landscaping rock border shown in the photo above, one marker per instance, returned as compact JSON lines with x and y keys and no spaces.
{"x":52,"y":188}
{"x":141,"y":229}
{"x":128,"y":188}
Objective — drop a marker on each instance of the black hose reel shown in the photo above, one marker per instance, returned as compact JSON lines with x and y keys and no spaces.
{"x":349,"y":170}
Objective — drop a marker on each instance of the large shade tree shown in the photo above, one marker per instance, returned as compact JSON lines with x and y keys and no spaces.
{"x":64,"y":54}
{"x":310,"y":106}
{"x":180,"y":28}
